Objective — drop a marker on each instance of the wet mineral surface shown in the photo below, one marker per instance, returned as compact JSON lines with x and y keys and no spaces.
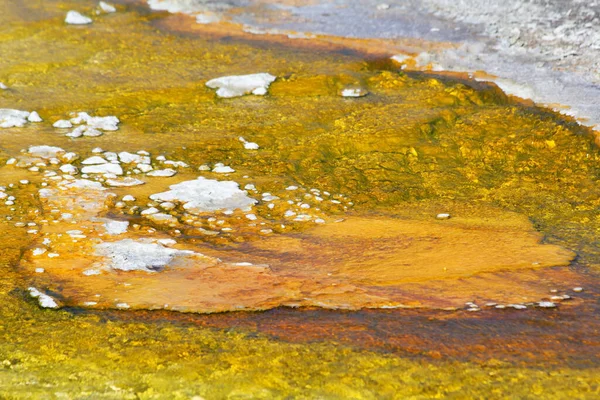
{"x":410,"y":234}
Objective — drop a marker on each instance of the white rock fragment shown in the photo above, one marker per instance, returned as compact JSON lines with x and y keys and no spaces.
{"x":220,"y":168}
{"x":354,"y":92}
{"x":75,"y":18}
{"x":239,"y":85}
{"x":162,"y":172}
{"x":44,"y":300}
{"x":129,"y":158}
{"x":125,"y":182}
{"x":103,"y":169}
{"x":167,"y":205}
{"x":107,"y":8}
{"x":128,"y":198}
{"x":3,"y":86}
{"x":162,"y":218}
{"x":443,"y":216}
{"x":94,"y":160}
{"x":85,"y":184}
{"x":69,"y":157}
{"x":104,"y":123}
{"x":144,"y":168}
{"x":45,"y":152}
{"x":12,"y":118}
{"x":176,"y":163}
{"x":205,"y":195}
{"x":251,"y":217}
{"x":39,"y":270}
{"x":383,"y":6}
{"x":62,"y":124}
{"x":249,"y":145}
{"x":82,"y":117}
{"x":116,"y":227}
{"x":69,"y":169}
{"x":34,"y":117}
{"x":578,"y":289}
{"x":150,"y":211}
{"x":518,"y":306}
{"x":38,"y":251}
{"x":546,"y":304}
{"x":131,"y":255}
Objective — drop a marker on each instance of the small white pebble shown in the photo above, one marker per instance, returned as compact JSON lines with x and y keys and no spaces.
{"x":546,"y":304}
{"x":75,"y":18}
{"x":34,"y":117}
{"x":63,"y":124}
{"x":107,"y":8}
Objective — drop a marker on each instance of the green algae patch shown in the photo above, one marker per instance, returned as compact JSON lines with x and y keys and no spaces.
{"x":415,"y":140}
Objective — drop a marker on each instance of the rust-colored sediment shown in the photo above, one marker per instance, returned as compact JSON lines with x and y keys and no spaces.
{"x":361,"y":262}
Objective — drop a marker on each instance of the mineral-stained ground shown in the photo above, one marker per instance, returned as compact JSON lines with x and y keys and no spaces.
{"x":430,"y":237}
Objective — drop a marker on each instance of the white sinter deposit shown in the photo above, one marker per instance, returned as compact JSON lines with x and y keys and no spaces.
{"x":239,"y":85}
{"x":14,"y":118}
{"x":131,"y":255}
{"x":90,"y":126}
{"x":205,"y":195}
{"x":75,"y":18}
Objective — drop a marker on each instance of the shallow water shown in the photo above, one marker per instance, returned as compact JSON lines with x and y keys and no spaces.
{"x":520,"y":185}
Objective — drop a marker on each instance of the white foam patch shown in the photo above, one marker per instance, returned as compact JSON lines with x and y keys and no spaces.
{"x":239,"y":85}
{"x":205,"y":195}
{"x":131,"y":255}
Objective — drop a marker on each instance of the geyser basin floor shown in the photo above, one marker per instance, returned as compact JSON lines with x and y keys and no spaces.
{"x":414,"y":147}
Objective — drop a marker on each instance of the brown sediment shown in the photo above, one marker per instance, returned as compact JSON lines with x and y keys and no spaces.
{"x":490,"y":335}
